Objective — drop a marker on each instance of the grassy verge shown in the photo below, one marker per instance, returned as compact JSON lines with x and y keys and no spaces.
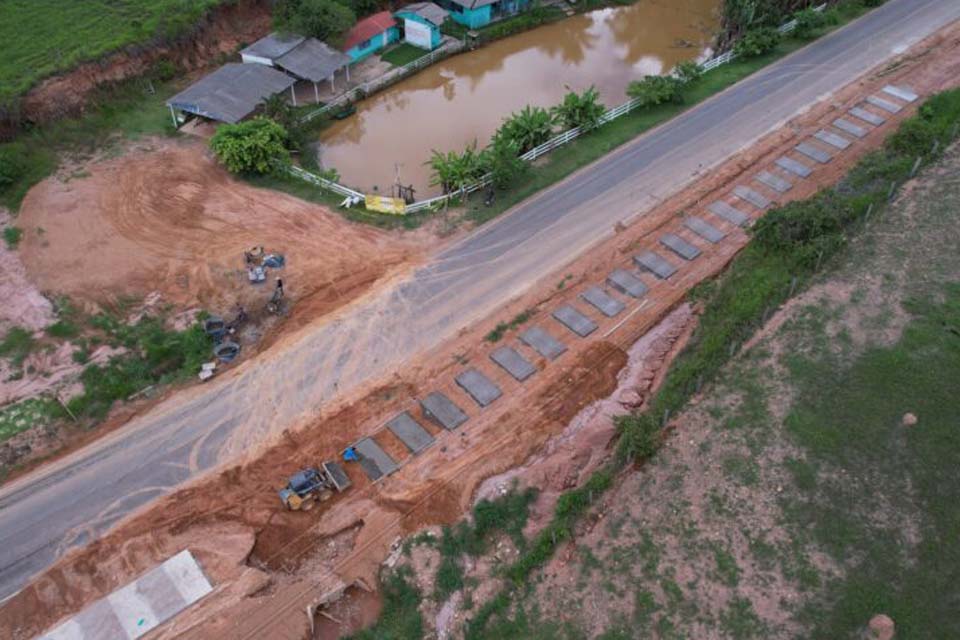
{"x":402,"y":54}
{"x":503,"y":327}
{"x":790,"y":245}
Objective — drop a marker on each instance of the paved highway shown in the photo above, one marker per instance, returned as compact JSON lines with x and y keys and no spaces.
{"x":79,"y":497}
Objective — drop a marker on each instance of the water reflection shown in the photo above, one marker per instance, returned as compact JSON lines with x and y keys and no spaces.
{"x":462,"y":99}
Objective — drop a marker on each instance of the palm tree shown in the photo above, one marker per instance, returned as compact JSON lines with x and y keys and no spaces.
{"x":579,"y":110}
{"x":528,"y":128}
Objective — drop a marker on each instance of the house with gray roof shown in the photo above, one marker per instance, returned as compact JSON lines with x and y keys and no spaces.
{"x":229,"y":94}
{"x":306,"y":59}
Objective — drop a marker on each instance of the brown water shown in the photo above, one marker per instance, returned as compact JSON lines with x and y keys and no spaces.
{"x":464,"y":98}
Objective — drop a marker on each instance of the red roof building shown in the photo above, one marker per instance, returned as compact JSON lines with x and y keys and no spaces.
{"x":368,"y":29}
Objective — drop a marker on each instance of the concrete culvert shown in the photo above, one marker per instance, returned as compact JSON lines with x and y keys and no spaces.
{"x":226,"y":351}
{"x":214,"y":326}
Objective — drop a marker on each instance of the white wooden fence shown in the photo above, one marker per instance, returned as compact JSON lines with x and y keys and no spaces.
{"x":548,"y":146}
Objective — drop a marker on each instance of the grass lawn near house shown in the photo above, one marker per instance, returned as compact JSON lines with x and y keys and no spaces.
{"x":402,"y":54}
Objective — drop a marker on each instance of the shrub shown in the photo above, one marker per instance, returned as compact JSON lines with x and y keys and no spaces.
{"x":808,"y":22}
{"x":757,"y":42}
{"x":654,"y":90}
{"x":16,"y":345}
{"x":12,"y":236}
{"x":688,"y":71}
{"x":502,"y":161}
{"x":528,"y":128}
{"x":579,"y":110}
{"x":12,"y":163}
{"x":257,"y":146}
{"x":325,"y":20}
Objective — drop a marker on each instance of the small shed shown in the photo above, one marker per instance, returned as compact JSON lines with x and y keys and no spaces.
{"x":229,"y":94}
{"x":305,"y":58}
{"x":371,"y":34}
{"x":421,"y":24}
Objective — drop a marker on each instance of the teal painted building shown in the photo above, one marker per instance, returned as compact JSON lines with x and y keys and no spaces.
{"x":479,"y":13}
{"x":370,"y":35}
{"x":420,"y":23}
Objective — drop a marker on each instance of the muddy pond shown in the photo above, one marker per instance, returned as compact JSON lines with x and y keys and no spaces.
{"x":465,"y":97}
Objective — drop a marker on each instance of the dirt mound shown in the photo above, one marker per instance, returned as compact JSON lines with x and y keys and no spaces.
{"x":169,"y":219}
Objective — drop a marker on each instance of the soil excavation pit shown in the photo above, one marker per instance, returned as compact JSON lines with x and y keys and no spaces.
{"x":575,"y":321}
{"x":479,"y":386}
{"x":514,"y":363}
{"x":443,"y":411}
{"x":627,"y":283}
{"x":374,"y":461}
{"x":903,"y":93}
{"x":775,"y":182}
{"x":814,"y":153}
{"x":679,"y":246}
{"x":867,"y":116}
{"x":832,"y":139}
{"x":136,"y":608}
{"x":410,"y":433}
{"x":729,"y":213}
{"x":602,"y":301}
{"x":543,"y":343}
{"x":704,"y":229}
{"x":848,"y":127}
{"x":886,"y":105}
{"x":794,"y":167}
{"x":749,"y":195}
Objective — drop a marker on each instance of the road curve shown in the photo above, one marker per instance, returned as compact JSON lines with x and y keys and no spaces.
{"x":76,"y":499}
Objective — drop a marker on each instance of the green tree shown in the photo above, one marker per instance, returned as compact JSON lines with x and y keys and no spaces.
{"x":808,"y":22}
{"x":254,"y":146}
{"x":454,"y":171}
{"x":654,"y":90}
{"x":528,"y":128}
{"x":502,"y":161}
{"x":579,"y":110}
{"x":326,"y":20}
{"x":687,"y":71}
{"x":12,"y":163}
{"x":757,"y":42}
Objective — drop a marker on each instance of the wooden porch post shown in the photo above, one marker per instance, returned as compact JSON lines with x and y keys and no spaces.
{"x":293,"y":94}
{"x":316,"y":92}
{"x":173,"y":114}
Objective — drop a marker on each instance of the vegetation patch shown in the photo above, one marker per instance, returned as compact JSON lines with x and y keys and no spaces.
{"x":402,"y":54}
{"x":502,"y":327}
{"x":29,"y":413}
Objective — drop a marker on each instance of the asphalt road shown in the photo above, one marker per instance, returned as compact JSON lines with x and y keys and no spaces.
{"x":74,"y":500}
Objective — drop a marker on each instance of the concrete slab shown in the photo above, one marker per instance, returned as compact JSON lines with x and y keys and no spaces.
{"x":814,"y":153}
{"x":756,"y":199}
{"x":903,"y":93}
{"x":575,"y":321}
{"x":374,"y":461}
{"x":410,"y":433}
{"x":867,"y":116}
{"x":832,"y":139}
{"x":886,"y":105}
{"x":679,"y":246}
{"x":514,"y":363}
{"x":655,"y":263}
{"x":773,"y":181}
{"x":848,"y":127}
{"x":794,"y":167}
{"x":136,"y":608}
{"x":704,"y":229}
{"x":627,"y":283}
{"x":728,"y":213}
{"x":602,"y":301}
{"x":542,"y":342}
{"x":442,"y":410}
{"x":479,"y":386}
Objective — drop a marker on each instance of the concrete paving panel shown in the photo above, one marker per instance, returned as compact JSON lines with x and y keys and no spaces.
{"x":602,"y":301}
{"x":133,"y":610}
{"x":542,"y":342}
{"x":655,"y":263}
{"x":904,"y":93}
{"x":729,"y":213}
{"x":832,"y":139}
{"x":375,"y":462}
{"x":704,"y":229}
{"x":410,"y":433}
{"x":187,"y":576}
{"x":775,"y":182}
{"x":751,"y":196}
{"x":479,"y":386}
{"x":814,"y":153}
{"x":575,"y":321}
{"x":442,"y":410}
{"x":886,"y":105}
{"x":794,"y":167}
{"x":627,"y":283}
{"x":848,"y":127}
{"x":100,"y":621}
{"x":165,"y":599}
{"x":679,"y":246}
{"x":867,"y":116}
{"x":514,"y":363}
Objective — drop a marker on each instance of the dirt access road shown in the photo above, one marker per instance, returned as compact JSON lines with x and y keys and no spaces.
{"x":53,"y":509}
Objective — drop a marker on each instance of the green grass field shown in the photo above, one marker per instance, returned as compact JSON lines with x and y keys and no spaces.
{"x":403,"y":54}
{"x":43,"y":37}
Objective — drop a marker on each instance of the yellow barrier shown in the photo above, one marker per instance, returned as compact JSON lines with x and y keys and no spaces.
{"x":383,"y":204}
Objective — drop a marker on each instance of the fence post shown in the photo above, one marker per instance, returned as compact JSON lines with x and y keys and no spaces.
{"x":916,"y":165}
{"x":893,"y":187}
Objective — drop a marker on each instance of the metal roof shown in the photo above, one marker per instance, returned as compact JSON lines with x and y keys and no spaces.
{"x":426,"y":10}
{"x":273,"y":46}
{"x":313,"y":60}
{"x":473,"y":4}
{"x":232,"y":92}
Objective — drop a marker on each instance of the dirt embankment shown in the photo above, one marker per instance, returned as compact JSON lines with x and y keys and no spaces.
{"x":221,"y":31}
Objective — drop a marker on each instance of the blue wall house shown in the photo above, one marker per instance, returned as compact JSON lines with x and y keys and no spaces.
{"x":479,"y":13}
{"x":371,"y":34}
{"x":421,"y":24}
